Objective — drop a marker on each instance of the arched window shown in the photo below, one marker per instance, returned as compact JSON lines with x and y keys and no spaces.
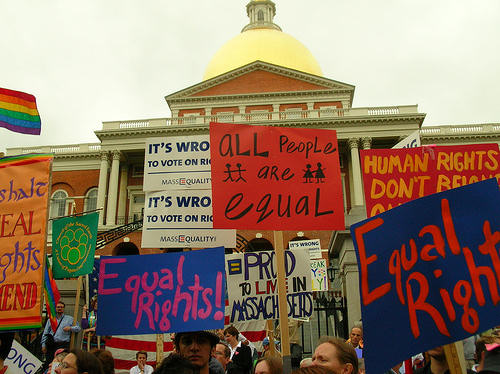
{"x":260,"y":15}
{"x":259,"y":244}
{"x":58,"y":204}
{"x":90,"y":200}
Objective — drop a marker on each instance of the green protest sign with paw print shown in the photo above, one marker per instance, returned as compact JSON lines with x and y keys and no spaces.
{"x":73,"y":245}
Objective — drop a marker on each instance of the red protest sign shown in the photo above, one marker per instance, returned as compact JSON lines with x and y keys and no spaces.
{"x":275,"y":178}
{"x":392,"y":177}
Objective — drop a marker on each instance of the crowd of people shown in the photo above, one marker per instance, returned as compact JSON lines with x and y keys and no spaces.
{"x":228,"y":352}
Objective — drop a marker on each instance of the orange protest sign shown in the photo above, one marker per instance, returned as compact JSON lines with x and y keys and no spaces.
{"x":392,"y":177}
{"x":275,"y":178}
{"x":24,"y":196}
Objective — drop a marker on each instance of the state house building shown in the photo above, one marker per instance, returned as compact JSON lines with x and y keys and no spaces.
{"x":262,"y":76}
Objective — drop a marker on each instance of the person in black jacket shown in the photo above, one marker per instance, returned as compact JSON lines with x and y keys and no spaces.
{"x":241,"y":354}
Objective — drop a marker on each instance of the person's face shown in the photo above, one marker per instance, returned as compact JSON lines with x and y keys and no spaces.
{"x":356,"y":336}
{"x":220,"y":354}
{"x":59,"y":308}
{"x":68,"y":365}
{"x":326,"y":355}
{"x":262,"y":368}
{"x":231,"y":339}
{"x":437,"y":353}
{"x":196,"y":348}
{"x":220,"y":333}
{"x":141,"y":359}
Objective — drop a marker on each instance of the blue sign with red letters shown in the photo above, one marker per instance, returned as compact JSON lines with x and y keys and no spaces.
{"x":431,"y":269}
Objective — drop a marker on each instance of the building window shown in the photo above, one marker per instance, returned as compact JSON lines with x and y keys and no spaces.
{"x":260,"y":15}
{"x":259,"y":244}
{"x":58,"y":204}
{"x":137,"y":171}
{"x":90,"y":200}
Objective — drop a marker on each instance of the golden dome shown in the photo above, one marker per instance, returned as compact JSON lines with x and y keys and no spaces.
{"x":268,"y":45}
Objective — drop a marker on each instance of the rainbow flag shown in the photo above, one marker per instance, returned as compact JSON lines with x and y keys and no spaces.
{"x":51,"y":296}
{"x":18,"y":112}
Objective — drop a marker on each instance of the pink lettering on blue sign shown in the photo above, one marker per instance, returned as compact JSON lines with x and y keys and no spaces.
{"x":162,"y":293}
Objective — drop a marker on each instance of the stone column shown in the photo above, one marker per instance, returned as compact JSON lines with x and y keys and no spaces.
{"x":356,"y":172}
{"x":122,"y":198}
{"x":103,"y":186}
{"x":175,"y":115}
{"x":208,"y":116}
{"x":349,"y":269}
{"x":276,"y":112}
{"x":241,"y":115}
{"x":366,"y":143}
{"x":312,"y":113}
{"x":113,"y":189}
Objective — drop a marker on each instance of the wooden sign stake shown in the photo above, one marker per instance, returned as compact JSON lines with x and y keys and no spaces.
{"x":77,"y":304}
{"x":159,"y":349}
{"x":270,"y":334}
{"x":283,"y":304}
{"x":455,"y":357}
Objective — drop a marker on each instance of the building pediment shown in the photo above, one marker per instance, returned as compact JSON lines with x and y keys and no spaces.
{"x":260,"y":78}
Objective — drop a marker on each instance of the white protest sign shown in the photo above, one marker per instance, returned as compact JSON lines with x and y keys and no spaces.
{"x":178,"y":209}
{"x":188,"y":238}
{"x":319,"y":278}
{"x":252,"y":285}
{"x":21,"y":361}
{"x":177,"y":163}
{"x":411,"y":141}
{"x":314,"y":247}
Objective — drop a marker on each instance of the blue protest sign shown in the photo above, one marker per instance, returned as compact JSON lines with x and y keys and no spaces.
{"x":161,"y":293}
{"x":429,"y":272}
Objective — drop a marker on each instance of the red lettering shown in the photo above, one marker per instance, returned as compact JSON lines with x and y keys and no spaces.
{"x":395,"y":269}
{"x":271,"y":286}
{"x":449,"y":227}
{"x":257,"y":291}
{"x":20,"y":222}
{"x":489,"y":246}
{"x":475,"y":273}
{"x":421,"y":304}
{"x":463,"y":300}
{"x":450,"y":310}
{"x":408,"y":264}
{"x":438,"y":243}
{"x":5,"y":222}
{"x":6,"y":294}
{"x":367,"y":296}
{"x":30,"y":226}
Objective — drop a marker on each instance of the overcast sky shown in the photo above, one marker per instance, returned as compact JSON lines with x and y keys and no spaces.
{"x":104,"y":60}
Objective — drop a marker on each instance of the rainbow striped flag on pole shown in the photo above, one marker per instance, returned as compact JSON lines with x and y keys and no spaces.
{"x":18,"y":112}
{"x":51,"y":295}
